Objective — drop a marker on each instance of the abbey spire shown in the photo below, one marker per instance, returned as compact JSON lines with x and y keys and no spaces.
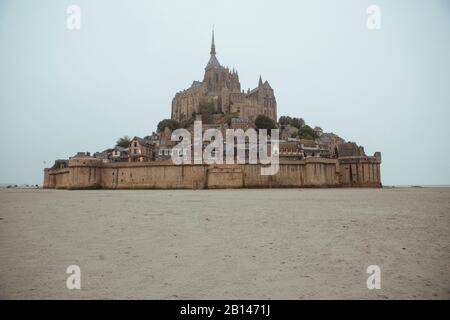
{"x":213,"y":45}
{"x":213,"y":60}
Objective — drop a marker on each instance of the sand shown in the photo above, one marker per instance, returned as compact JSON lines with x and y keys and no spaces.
{"x":225,"y":244}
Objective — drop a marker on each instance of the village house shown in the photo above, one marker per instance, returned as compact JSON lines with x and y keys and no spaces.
{"x":298,"y":149}
{"x":119,"y":154}
{"x":154,"y":138}
{"x":104,"y":155}
{"x":140,"y":150}
{"x":164,"y":153}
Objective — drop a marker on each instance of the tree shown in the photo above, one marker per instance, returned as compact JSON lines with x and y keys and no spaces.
{"x":307,"y":133}
{"x":285,"y":120}
{"x":294,"y":122}
{"x":298,"y":123}
{"x":169,"y":123}
{"x":124,"y":142}
{"x":206,"y":110}
{"x":264,"y":122}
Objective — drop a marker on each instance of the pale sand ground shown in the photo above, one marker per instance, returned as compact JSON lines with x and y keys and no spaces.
{"x":229,"y":244}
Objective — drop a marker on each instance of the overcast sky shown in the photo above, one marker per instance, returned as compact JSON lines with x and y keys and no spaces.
{"x":65,"y":91}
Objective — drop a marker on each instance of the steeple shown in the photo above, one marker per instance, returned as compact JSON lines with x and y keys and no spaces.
{"x":213,"y":60}
{"x":213,"y":45}
{"x":260,"y":81}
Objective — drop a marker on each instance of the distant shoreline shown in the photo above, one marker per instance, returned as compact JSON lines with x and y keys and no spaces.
{"x":418,"y":186}
{"x":16,"y":186}
{"x":19,"y":186}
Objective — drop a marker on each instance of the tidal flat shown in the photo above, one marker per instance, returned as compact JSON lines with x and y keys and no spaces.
{"x":225,"y":244}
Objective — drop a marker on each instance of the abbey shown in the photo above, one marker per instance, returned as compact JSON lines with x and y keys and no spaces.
{"x":221,"y":88}
{"x":305,"y":157}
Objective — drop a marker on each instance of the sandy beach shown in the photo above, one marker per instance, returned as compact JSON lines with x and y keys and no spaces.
{"x":225,"y":244}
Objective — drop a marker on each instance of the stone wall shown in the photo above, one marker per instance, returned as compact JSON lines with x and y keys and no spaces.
{"x":153,"y":175}
{"x":312,"y":172}
{"x":360,"y":172}
{"x":88,"y":173}
{"x":57,"y":178}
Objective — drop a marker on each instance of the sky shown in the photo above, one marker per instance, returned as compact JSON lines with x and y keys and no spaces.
{"x":64,"y":91}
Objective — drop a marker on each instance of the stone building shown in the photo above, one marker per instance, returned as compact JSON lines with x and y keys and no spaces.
{"x":140,"y":150}
{"x":332,"y":142}
{"x":350,"y":149}
{"x":299,"y":149}
{"x":221,"y":88}
{"x":119,"y":154}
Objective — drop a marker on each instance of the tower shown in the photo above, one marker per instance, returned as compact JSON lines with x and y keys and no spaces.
{"x":213,"y":71}
{"x":213,"y":62}
{"x":221,"y":88}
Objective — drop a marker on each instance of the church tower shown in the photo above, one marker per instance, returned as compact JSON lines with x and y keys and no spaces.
{"x":221,"y":87}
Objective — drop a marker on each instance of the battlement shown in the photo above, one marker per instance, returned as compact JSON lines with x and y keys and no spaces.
{"x":85,"y":161}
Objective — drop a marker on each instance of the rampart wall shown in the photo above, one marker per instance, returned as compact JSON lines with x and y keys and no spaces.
{"x":91,"y":173}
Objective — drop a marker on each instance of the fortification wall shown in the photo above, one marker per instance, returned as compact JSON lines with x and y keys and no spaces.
{"x":225,"y":176}
{"x":148,"y":175}
{"x":360,"y":172}
{"x":312,"y":172}
{"x":57,"y":179}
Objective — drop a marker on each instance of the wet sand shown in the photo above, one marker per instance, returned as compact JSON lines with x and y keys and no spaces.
{"x":225,"y":244}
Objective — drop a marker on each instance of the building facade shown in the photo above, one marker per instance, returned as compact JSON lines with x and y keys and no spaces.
{"x":140,"y":150}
